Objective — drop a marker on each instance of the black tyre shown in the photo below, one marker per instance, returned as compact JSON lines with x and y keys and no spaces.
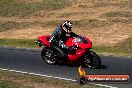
{"x":92,"y":60}
{"x":48,"y":56}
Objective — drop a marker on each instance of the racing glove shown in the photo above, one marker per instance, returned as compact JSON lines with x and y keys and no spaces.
{"x":71,"y":50}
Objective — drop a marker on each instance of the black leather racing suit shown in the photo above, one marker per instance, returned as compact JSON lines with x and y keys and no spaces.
{"x":57,"y":41}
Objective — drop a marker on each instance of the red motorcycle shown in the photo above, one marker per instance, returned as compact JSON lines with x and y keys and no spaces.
{"x":82,"y":46}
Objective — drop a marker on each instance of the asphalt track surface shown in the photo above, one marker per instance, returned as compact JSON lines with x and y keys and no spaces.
{"x":29,"y":60}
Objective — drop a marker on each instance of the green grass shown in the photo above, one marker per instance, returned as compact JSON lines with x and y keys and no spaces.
{"x":73,"y":14}
{"x":125,"y":46}
{"x":124,"y":15}
{"x":122,"y":48}
{"x":90,"y":23}
{"x":87,"y":23}
{"x":121,"y":4}
{"x":10,"y":8}
{"x":50,"y":23}
{"x":103,"y":4}
{"x":119,"y":14}
{"x":118,"y":17}
{"x":8,"y":84}
{"x":55,"y":4}
{"x":18,"y":42}
{"x":8,"y":25}
{"x":120,"y":20}
{"x":13,"y":25}
{"x":17,"y":80}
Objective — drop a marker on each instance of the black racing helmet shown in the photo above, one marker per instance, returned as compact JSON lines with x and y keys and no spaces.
{"x":67,"y":26}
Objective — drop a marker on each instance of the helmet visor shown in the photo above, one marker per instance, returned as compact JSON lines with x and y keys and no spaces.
{"x":67,"y":27}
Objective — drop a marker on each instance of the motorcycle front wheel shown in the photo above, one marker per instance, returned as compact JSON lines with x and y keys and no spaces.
{"x":48,"y":56}
{"x":92,"y":60}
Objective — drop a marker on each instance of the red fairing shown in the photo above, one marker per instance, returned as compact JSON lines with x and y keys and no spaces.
{"x":45,"y":39}
{"x":82,"y":45}
{"x":79,"y":52}
{"x":89,"y":45}
{"x":76,"y":56}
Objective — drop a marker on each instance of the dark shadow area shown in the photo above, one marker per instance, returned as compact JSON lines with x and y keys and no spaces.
{"x":68,"y":64}
{"x":77,"y":65}
{"x":103,"y":67}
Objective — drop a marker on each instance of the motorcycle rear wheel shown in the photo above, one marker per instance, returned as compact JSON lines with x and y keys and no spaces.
{"x":48,"y":56}
{"x":92,"y":60}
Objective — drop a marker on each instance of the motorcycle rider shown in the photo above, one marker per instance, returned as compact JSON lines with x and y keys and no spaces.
{"x":57,"y":39}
